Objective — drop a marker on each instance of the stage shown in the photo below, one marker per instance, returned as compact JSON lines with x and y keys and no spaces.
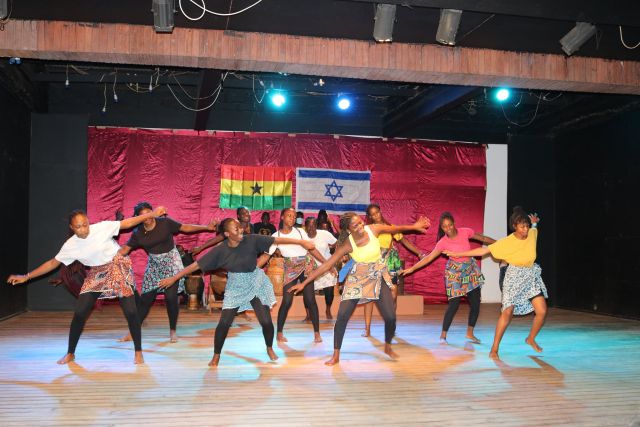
{"x":588,"y":373}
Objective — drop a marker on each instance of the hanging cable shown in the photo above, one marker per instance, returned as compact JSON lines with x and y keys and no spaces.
{"x":520,"y":124}
{"x":624,"y":44}
{"x":202,"y":6}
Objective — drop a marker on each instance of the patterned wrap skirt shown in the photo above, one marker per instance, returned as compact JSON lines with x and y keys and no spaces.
{"x":521,"y":284}
{"x":364,"y":281}
{"x":460,"y":278}
{"x":243,"y":287}
{"x":161,"y":266}
{"x":325,"y":281}
{"x":295,"y":266}
{"x":112,"y":280}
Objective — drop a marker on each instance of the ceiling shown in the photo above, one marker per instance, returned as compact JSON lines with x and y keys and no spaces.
{"x":378,"y":108}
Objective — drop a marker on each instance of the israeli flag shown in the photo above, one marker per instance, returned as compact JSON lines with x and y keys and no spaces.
{"x":336,"y":191}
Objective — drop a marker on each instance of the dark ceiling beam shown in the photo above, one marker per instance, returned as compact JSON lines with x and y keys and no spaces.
{"x":621,"y":12}
{"x":424,"y":107}
{"x":15,"y":78}
{"x":224,"y":50}
{"x":207,"y":95}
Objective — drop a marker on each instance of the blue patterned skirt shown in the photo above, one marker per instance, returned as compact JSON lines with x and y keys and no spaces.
{"x":243,"y":287}
{"x":161,"y":266}
{"x":521,"y":284}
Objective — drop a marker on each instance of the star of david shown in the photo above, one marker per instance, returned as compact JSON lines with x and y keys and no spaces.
{"x":256,"y":189}
{"x":330,"y":188}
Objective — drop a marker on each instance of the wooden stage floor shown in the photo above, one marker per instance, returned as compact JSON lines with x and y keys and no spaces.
{"x":589,"y":374}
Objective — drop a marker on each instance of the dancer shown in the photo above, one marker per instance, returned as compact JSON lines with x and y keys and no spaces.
{"x":110,"y":274}
{"x":155,"y":236}
{"x":297,"y":265}
{"x":462,"y":277}
{"x":369,"y":278}
{"x":247,"y":285}
{"x":374,"y":216}
{"x":324,"y":243}
{"x":244,"y":218}
{"x":523,"y":289}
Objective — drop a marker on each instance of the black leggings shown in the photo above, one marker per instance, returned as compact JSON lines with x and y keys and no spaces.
{"x":474,"y":309}
{"x":226,"y":319}
{"x":309,"y":296}
{"x":83,"y":310}
{"x":328,"y":296}
{"x":146,"y":300}
{"x":387,"y":310}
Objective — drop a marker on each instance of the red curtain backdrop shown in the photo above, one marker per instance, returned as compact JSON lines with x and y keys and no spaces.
{"x":181,"y":170}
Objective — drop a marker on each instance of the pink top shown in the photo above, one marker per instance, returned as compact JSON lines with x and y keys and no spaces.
{"x":460,"y":243}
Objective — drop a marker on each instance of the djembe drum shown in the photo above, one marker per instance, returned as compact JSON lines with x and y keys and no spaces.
{"x":192,"y":285}
{"x":275,"y":273}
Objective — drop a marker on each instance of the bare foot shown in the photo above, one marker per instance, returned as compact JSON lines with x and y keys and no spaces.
{"x":335,"y":359}
{"x":317,"y":337}
{"x":366,"y":333}
{"x":125,"y":338}
{"x":272,"y":354}
{"x":473,"y":339}
{"x":138,"y":358}
{"x":494,"y":354}
{"x":328,"y":313}
{"x":389,"y":352}
{"x":173,"y":336}
{"x":443,"y":336}
{"x":69,"y":357}
{"x":280,"y":337}
{"x":533,"y":344}
{"x":215,"y":360}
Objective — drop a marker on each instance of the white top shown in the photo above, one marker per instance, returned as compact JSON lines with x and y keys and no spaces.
{"x":98,"y":248}
{"x":322,"y":241}
{"x":290,"y":251}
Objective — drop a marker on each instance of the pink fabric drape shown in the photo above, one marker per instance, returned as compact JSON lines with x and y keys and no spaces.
{"x":181,"y":170}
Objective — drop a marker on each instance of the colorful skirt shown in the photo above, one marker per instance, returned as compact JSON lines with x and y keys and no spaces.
{"x":521,"y":284}
{"x":327,"y":280}
{"x":112,"y":280}
{"x":161,"y":266}
{"x":243,"y":287}
{"x":364,"y":281}
{"x":460,"y":278}
{"x":295,"y":266}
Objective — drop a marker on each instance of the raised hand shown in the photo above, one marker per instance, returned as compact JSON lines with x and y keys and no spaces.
{"x":159,"y":211}
{"x":422,"y":224}
{"x":212,"y":224}
{"x":16,"y":279}
{"x":534,"y":218}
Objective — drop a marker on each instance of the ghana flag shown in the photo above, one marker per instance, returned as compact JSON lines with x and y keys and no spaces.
{"x":256,"y":187}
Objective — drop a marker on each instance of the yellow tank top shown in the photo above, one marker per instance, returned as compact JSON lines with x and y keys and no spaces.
{"x":367,"y":253}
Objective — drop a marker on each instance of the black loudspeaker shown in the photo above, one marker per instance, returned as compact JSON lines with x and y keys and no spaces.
{"x":163,"y":11}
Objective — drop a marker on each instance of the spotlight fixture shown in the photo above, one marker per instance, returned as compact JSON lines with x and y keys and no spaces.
{"x":384,"y":20}
{"x":448,"y":26}
{"x":344,"y":103}
{"x":4,"y":11}
{"x":278,"y":99}
{"x":503,"y":94}
{"x":163,"y":11}
{"x":575,"y":38}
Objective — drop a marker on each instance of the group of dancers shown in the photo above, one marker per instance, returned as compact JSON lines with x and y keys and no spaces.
{"x":370,"y":276}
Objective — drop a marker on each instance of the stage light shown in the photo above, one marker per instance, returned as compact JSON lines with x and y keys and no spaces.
{"x":575,"y":38}
{"x":278,"y":99}
{"x":384,"y":20}
{"x":344,"y":103}
{"x":163,"y":11}
{"x":503,"y":94}
{"x":4,"y":11}
{"x":448,"y":26}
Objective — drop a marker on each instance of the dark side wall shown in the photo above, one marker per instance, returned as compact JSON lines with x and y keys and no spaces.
{"x":14,"y":190}
{"x":58,"y":186}
{"x":598,"y":243}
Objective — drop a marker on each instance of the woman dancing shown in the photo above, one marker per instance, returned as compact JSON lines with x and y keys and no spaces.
{"x":523,"y":289}
{"x":462,"y":277}
{"x":155,"y":236}
{"x":110,"y":274}
{"x":369,"y":278}
{"x":390,"y":254}
{"x":297,"y":265}
{"x":324,"y":241}
{"x":247,"y":285}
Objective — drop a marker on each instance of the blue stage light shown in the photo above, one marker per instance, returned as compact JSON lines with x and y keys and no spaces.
{"x":278,"y":99}
{"x":344,"y":103}
{"x":503,"y":94}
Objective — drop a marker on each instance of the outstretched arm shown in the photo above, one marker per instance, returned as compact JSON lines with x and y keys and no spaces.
{"x":135,"y":220}
{"x":424,"y":261}
{"x":263,"y":259}
{"x":341,"y":250}
{"x":411,"y":247}
{"x":419,"y":226}
{"x":192,"y":228}
{"x":485,"y":240}
{"x":473,"y":252}
{"x":307,"y":244}
{"x":211,"y":242}
{"x":169,"y":281}
{"x":44,"y":268}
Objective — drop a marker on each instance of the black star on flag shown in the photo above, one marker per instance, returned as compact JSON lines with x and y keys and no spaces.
{"x":256,"y":189}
